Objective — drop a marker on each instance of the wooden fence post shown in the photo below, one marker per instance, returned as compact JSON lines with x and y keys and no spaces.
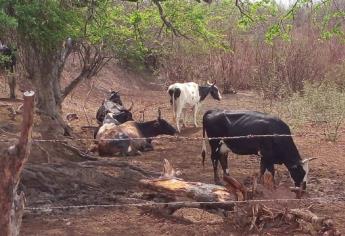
{"x":11,"y":165}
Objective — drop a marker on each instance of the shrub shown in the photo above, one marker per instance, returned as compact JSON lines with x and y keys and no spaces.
{"x":322,"y":104}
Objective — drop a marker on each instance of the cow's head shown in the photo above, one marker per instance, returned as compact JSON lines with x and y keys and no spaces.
{"x":161,"y":126}
{"x":214,"y":91}
{"x":299,"y":173}
{"x":115,"y":97}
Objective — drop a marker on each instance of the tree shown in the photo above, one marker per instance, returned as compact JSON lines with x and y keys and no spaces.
{"x":47,"y":32}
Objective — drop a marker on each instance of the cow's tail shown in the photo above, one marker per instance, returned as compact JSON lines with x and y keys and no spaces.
{"x":203,"y":152}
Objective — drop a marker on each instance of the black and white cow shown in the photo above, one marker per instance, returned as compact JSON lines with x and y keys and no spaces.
{"x":112,"y":111}
{"x":11,"y":61}
{"x":182,"y":94}
{"x":273,"y":150}
{"x":123,"y":138}
{"x":114,"y":105}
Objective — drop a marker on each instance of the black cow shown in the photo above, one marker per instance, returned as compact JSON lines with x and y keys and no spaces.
{"x":11,"y":60}
{"x":123,"y":138}
{"x":273,"y":150}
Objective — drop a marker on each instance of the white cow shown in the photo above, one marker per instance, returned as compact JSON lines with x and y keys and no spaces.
{"x":182,"y":94}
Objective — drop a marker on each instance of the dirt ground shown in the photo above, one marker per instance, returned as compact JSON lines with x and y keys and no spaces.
{"x":56,"y":177}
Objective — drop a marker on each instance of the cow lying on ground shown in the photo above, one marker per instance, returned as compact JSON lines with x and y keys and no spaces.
{"x":182,"y":94}
{"x":113,"y":139}
{"x":273,"y":150}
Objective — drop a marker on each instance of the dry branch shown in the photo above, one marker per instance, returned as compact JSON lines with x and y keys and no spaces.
{"x":11,"y":166}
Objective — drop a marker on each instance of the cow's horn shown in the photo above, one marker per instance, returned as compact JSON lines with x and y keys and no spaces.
{"x":159,"y":113}
{"x":308,"y":159}
{"x":129,"y":109}
{"x":208,"y":82}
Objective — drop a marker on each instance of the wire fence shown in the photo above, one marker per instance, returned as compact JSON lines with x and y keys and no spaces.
{"x":250,"y":136}
{"x":327,"y":199}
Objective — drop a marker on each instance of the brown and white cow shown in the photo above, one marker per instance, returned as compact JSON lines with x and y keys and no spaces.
{"x":130,"y":138}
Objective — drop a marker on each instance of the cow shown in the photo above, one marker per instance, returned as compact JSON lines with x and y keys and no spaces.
{"x":112,"y":111}
{"x":182,"y":94}
{"x":273,"y":150}
{"x":10,"y":62}
{"x":113,"y":104}
{"x":120,"y":113}
{"x":132,"y":137}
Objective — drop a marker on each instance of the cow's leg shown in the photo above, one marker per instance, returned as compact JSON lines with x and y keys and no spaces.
{"x":184,"y":116}
{"x":215,"y":170}
{"x":224,"y":163}
{"x":178,"y":116}
{"x":215,"y":158}
{"x":266,"y":162}
{"x":196,"y":107}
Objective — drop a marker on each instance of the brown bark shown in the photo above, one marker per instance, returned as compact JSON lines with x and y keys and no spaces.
{"x":11,"y":166}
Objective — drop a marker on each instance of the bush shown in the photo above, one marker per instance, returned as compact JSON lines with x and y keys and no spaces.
{"x":322,"y":104}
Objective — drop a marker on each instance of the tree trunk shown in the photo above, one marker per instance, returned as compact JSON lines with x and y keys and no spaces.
{"x":11,"y":166}
{"x":49,"y":102}
{"x":44,"y":70}
{"x":12,"y":85}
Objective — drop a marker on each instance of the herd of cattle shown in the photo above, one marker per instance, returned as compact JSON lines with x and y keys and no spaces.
{"x":265,"y":135}
{"x":119,"y":133}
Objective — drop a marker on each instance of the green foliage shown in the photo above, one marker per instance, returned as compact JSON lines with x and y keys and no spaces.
{"x":330,"y":19}
{"x":45,"y":22}
{"x":132,"y":30}
{"x":320,"y":104}
{"x":4,"y":59}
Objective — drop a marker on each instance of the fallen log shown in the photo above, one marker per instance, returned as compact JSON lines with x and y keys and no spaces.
{"x":196,"y":190}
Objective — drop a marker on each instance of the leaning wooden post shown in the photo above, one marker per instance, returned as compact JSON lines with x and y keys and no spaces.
{"x":11,"y":165}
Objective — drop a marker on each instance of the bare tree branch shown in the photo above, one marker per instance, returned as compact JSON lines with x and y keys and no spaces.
{"x":239,"y":4}
{"x":166,"y":22}
{"x":92,"y":59}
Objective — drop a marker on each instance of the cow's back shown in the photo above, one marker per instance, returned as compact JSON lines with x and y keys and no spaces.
{"x":109,"y":133}
{"x":220,"y":123}
{"x":240,"y":123}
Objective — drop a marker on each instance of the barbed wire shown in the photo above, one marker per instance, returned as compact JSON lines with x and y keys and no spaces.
{"x":330,"y":198}
{"x":250,"y":136}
